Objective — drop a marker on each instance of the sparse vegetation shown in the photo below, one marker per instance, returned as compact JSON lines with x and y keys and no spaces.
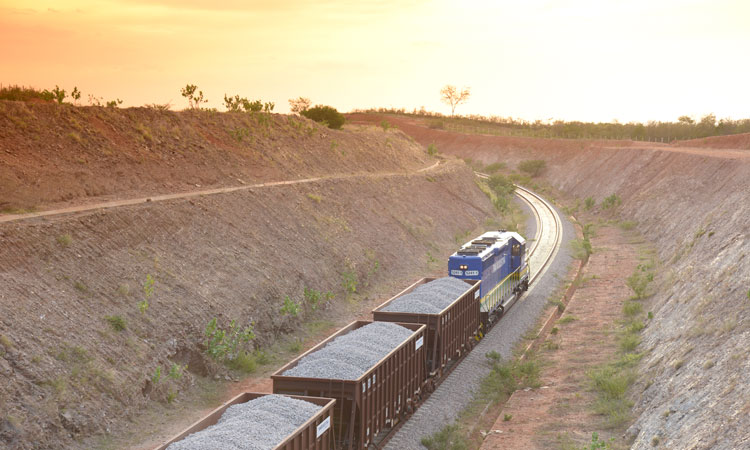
{"x":290,"y":307}
{"x":449,"y":437}
{"x":148,"y":292}
{"x":611,"y":202}
{"x":432,"y":149}
{"x":640,"y":280}
{"x":81,"y":286}
{"x":567,"y":319}
{"x":314,"y":197}
{"x":507,"y":417}
{"x":494,"y":167}
{"x":313,"y":298}
{"x":326,"y":115}
{"x":589,"y":203}
{"x":64,"y":240}
{"x":117,"y":322}
{"x":175,"y":371}
{"x":532,"y":167}
{"x":156,"y":377}
{"x":5,"y":342}
{"x":349,"y":281}
{"x":581,"y":249}
{"x":385,"y":125}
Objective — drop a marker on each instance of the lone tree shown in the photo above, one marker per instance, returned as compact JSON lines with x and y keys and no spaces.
{"x":452,"y":97}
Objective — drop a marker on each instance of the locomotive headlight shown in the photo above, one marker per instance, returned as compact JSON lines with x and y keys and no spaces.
{"x":463,"y":267}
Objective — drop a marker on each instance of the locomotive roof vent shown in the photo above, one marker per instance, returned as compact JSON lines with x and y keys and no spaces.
{"x":470,"y":251}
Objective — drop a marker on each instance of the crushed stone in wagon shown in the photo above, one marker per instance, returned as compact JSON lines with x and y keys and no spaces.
{"x":429,"y":298}
{"x":349,"y":356}
{"x":260,"y":424}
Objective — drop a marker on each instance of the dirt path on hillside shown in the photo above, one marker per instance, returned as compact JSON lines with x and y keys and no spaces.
{"x":198,"y":193}
{"x":561,"y":411}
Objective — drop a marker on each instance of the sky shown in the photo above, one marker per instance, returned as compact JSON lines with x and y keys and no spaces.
{"x":589,"y":60}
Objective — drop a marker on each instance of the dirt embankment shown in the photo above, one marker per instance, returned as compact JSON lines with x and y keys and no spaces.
{"x":52,"y":155}
{"x":735,"y":141}
{"x":80,"y":351}
{"x":693,"y":205}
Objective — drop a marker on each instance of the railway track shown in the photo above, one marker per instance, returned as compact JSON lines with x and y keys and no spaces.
{"x":546,"y":244}
{"x":548,"y":233}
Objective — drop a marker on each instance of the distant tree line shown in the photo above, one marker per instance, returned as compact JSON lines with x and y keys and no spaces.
{"x":684,"y":128}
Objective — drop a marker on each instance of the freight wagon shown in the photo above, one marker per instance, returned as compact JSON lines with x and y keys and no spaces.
{"x":451,"y":330}
{"x":498,"y":259}
{"x":375,"y":400}
{"x":315,"y":433}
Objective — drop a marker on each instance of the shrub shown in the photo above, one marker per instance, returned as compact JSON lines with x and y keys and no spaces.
{"x":507,"y":417}
{"x":290,"y":307}
{"x":22,"y":94}
{"x":175,"y":371}
{"x":589,"y":203}
{"x":225,"y":344}
{"x":117,"y":322}
{"x":631,"y":309}
{"x":194,"y":99}
{"x":385,"y":125}
{"x":432,"y":149}
{"x":349,"y":281}
{"x":613,"y":201}
{"x":502,"y":187}
{"x":639,"y":282}
{"x":327,"y":115}
{"x":532,"y":167}
{"x":494,"y":167}
{"x":581,"y":248}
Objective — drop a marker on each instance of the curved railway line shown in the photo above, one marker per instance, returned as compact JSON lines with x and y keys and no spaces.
{"x":546,"y":244}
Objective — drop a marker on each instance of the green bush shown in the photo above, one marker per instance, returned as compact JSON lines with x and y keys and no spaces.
{"x":327,"y":115}
{"x":503,"y":189}
{"x":224,"y":344}
{"x":432,"y":149}
{"x":589,"y":203}
{"x":532,"y":167}
{"x":639,"y":281}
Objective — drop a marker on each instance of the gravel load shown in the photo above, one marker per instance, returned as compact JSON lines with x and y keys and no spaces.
{"x":260,"y":424}
{"x":349,"y":356}
{"x":429,"y":298}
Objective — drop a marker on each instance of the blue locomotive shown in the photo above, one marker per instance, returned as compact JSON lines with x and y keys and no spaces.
{"x":498,"y":259}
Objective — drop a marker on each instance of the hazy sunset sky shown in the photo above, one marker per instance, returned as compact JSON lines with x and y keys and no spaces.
{"x":576,"y":60}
